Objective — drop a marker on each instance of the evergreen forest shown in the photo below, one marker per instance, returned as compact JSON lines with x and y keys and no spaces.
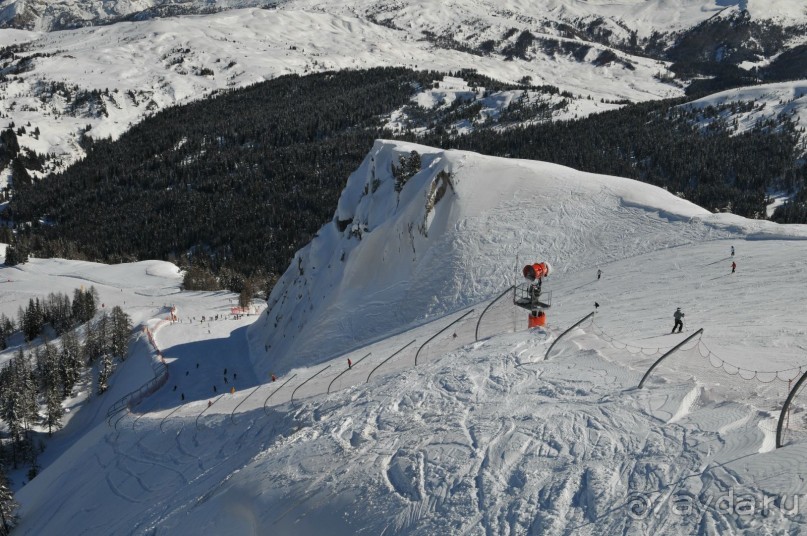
{"x":236,"y":184}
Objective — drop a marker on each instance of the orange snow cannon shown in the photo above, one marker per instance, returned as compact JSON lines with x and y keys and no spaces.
{"x":539,"y":270}
{"x":537,"y":319}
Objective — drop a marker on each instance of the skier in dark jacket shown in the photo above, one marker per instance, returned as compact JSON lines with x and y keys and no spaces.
{"x":679,"y":323}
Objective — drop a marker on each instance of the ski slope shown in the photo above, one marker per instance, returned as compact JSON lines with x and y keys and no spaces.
{"x":482,"y":436}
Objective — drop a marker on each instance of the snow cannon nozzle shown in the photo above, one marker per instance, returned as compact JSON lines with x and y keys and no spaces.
{"x":539,"y":270}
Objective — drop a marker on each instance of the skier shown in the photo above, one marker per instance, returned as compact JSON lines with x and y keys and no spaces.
{"x":232,"y":390}
{"x":596,"y":306}
{"x":733,"y":266}
{"x":599,"y":274}
{"x":678,"y":322}
{"x":732,"y":251}
{"x":274,"y":378}
{"x":349,"y":363}
{"x":209,"y":403}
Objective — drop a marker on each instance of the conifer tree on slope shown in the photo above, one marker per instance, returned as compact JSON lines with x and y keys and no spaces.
{"x":18,"y":405}
{"x":104,"y":373}
{"x":50,"y":382}
{"x":121,"y":328}
{"x":69,"y":362}
{"x":8,"y":507}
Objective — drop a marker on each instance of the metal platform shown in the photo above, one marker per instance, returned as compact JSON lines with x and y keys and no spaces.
{"x":525,"y":296}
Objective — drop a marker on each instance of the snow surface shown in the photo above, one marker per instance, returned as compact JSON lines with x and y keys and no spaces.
{"x":481,"y":437}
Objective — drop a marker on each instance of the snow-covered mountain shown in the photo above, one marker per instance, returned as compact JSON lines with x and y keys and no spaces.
{"x":618,"y":18}
{"x":96,"y":81}
{"x":51,"y":16}
{"x":482,"y":437}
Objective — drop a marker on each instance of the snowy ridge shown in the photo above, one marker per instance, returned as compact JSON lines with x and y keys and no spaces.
{"x":405,"y":256}
{"x":770,"y":101}
{"x":49,"y":16}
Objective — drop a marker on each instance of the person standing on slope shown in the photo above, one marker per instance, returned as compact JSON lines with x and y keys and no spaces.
{"x":599,"y":274}
{"x":678,"y":315}
{"x":733,"y":266}
{"x":732,"y":251}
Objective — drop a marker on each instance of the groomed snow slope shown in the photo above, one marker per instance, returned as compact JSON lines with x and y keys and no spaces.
{"x":481,"y":437}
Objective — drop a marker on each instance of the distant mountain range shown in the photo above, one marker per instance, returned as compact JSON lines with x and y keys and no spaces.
{"x":43,"y":15}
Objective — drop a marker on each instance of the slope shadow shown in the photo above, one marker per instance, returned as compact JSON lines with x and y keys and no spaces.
{"x":195,"y":368}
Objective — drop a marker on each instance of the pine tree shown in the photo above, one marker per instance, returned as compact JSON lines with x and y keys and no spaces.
{"x":103,"y":330}
{"x":69,"y":362}
{"x":6,"y":330}
{"x":8,"y":507}
{"x":18,"y":406}
{"x":50,"y":381}
{"x":15,"y":255}
{"x":91,"y":349}
{"x":245,"y":297}
{"x":121,"y":328}
{"x":84,"y":305}
{"x":32,"y":320}
{"x":57,"y":312}
{"x":104,"y":373}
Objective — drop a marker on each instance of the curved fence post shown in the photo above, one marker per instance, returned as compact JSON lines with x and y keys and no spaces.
{"x":346,"y":370}
{"x":232,"y":419}
{"x":275,"y":391}
{"x":308,"y":380}
{"x":164,"y":418}
{"x":430,"y":339}
{"x":672,"y":350}
{"x":207,"y":408}
{"x":786,"y":407}
{"x":125,"y":413}
{"x":546,"y":355}
{"x":500,"y":296}
{"x":390,"y":357}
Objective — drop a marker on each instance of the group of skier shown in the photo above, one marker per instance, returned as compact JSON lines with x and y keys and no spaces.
{"x":678,"y":316}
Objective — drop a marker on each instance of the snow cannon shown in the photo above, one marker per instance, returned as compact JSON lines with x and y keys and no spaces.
{"x":539,"y":270}
{"x":531,"y":294}
{"x":536,"y":319}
